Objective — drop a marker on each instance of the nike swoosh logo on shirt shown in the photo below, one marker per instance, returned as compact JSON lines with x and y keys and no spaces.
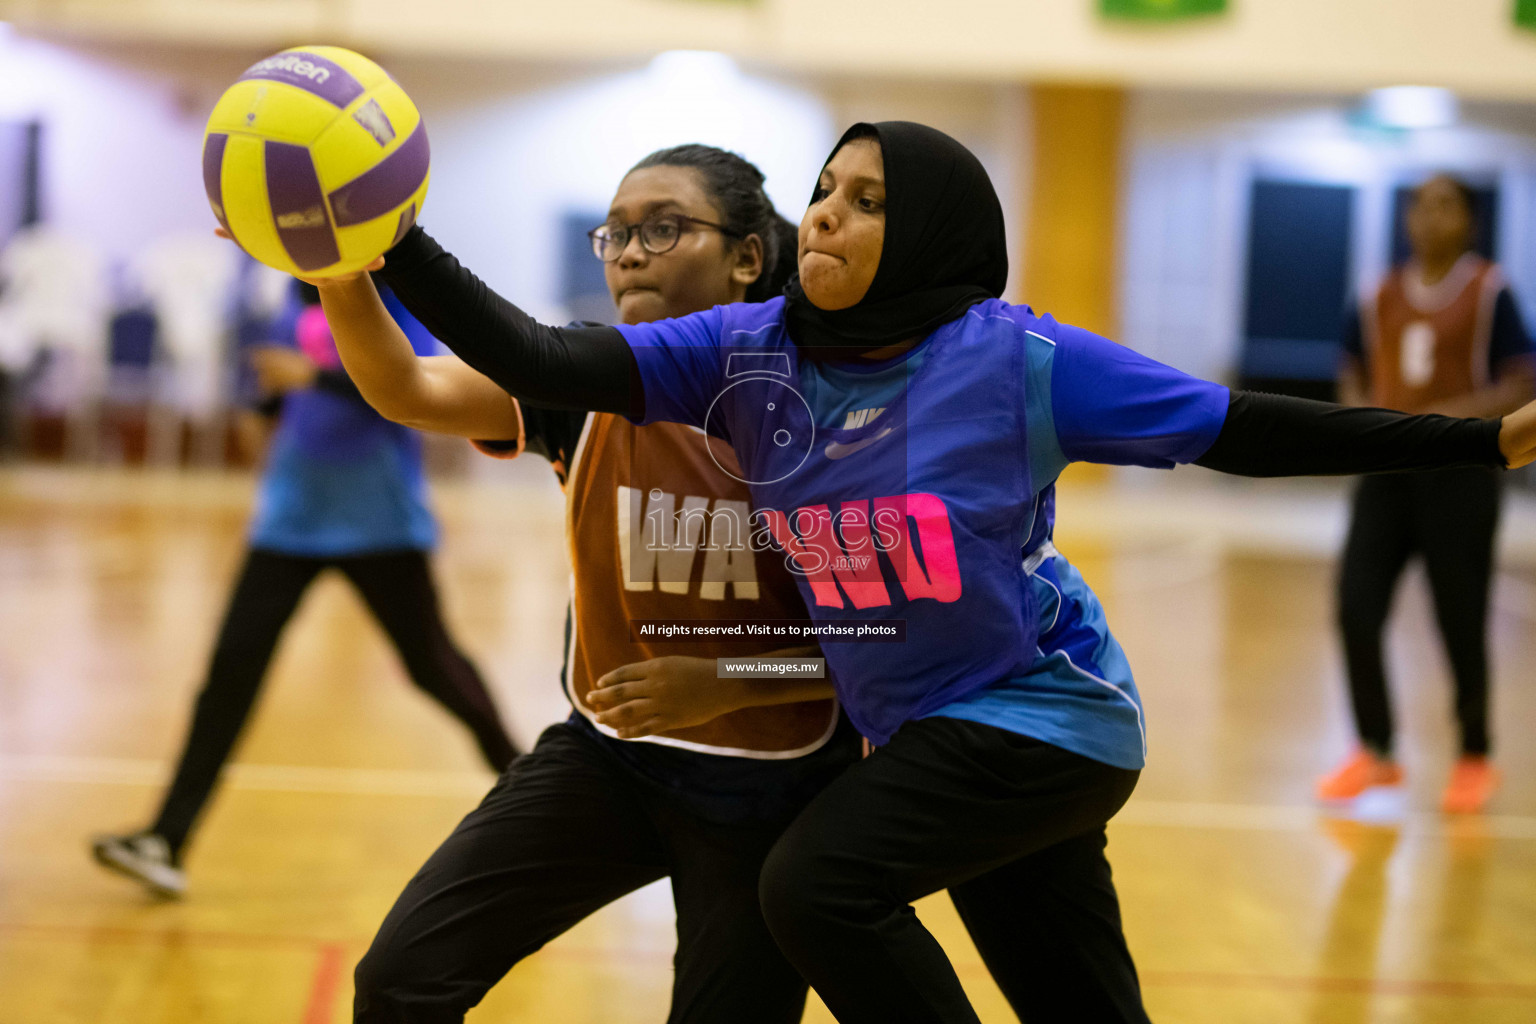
{"x":842,"y":451}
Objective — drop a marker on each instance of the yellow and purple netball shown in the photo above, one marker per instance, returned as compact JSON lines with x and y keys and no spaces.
{"x":316,"y":161}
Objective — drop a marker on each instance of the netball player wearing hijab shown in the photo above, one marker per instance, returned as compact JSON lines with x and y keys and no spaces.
{"x":663,"y":770}
{"x":894,"y":408}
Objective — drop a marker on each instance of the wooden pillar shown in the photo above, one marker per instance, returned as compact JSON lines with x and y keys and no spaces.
{"x":1071,"y":241}
{"x":1072,"y":238}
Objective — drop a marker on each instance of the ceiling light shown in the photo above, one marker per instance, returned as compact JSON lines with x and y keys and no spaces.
{"x":1411,"y":106}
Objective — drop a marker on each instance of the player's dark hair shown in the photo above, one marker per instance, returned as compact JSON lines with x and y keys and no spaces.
{"x":1465,"y":191}
{"x":735,"y":186}
{"x":776,"y":274}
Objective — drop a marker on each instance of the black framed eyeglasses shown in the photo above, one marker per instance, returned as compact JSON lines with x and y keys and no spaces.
{"x":659,"y":233}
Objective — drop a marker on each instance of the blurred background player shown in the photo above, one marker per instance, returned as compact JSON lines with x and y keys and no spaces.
{"x":342,"y":488}
{"x":1440,"y":335}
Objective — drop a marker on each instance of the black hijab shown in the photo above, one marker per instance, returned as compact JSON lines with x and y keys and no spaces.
{"x":944,"y":247}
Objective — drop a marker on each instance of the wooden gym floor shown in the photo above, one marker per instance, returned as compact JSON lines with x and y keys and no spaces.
{"x":1242,"y":902}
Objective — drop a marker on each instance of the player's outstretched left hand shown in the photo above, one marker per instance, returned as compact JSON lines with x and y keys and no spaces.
{"x":1517,"y":436}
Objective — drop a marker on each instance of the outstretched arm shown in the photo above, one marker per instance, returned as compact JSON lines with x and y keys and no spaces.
{"x":500,"y":350}
{"x":586,"y":368}
{"x":434,"y":393}
{"x":668,"y":370}
{"x":1110,"y":404}
{"x":1274,"y":435}
{"x":438,"y":393}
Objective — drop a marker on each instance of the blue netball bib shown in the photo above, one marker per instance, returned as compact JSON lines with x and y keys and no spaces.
{"x":930,"y":512}
{"x":913,"y":520}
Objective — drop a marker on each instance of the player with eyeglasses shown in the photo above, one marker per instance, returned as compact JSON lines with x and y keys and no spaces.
{"x":659,"y":234}
{"x":663,"y":770}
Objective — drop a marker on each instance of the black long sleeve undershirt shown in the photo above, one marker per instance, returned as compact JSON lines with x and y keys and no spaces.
{"x":592,"y":368}
{"x":584,"y":368}
{"x":1274,"y":435}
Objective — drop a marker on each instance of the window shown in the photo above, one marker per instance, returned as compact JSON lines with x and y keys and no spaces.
{"x":1297,"y":285}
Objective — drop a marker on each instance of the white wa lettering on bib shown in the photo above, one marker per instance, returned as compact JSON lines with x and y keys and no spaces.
{"x":659,"y":543}
{"x":1417,"y":355}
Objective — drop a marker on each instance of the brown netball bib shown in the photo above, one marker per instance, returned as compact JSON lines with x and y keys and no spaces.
{"x":1428,"y":343}
{"x":658,"y":530}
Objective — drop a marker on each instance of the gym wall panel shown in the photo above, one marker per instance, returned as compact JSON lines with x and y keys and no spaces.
{"x":19,"y":144}
{"x":571,"y":29}
{"x":1471,"y":45}
{"x":1191,"y":158}
{"x":515,"y":145}
{"x":121,"y":159}
{"x":257,"y":22}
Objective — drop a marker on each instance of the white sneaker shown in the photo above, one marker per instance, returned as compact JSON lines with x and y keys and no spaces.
{"x":143,"y":856}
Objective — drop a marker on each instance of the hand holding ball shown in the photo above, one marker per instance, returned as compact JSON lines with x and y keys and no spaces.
{"x":315,"y":161}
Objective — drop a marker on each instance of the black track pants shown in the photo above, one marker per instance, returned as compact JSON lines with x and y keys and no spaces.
{"x":568,"y":829}
{"x":1013,"y":827}
{"x":398,"y":589}
{"x":1450,"y":517}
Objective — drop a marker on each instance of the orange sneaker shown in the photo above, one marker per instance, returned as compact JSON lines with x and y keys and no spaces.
{"x":1362,"y":771}
{"x":1473,"y":783}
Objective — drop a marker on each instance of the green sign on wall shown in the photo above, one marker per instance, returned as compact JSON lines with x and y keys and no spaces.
{"x":1171,"y":10}
{"x":1525,"y":13}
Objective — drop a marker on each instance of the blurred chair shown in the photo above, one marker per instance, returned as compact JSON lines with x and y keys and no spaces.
{"x":54,"y":303}
{"x":129,"y":385}
{"x":263,"y":292}
{"x":188,"y":282}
